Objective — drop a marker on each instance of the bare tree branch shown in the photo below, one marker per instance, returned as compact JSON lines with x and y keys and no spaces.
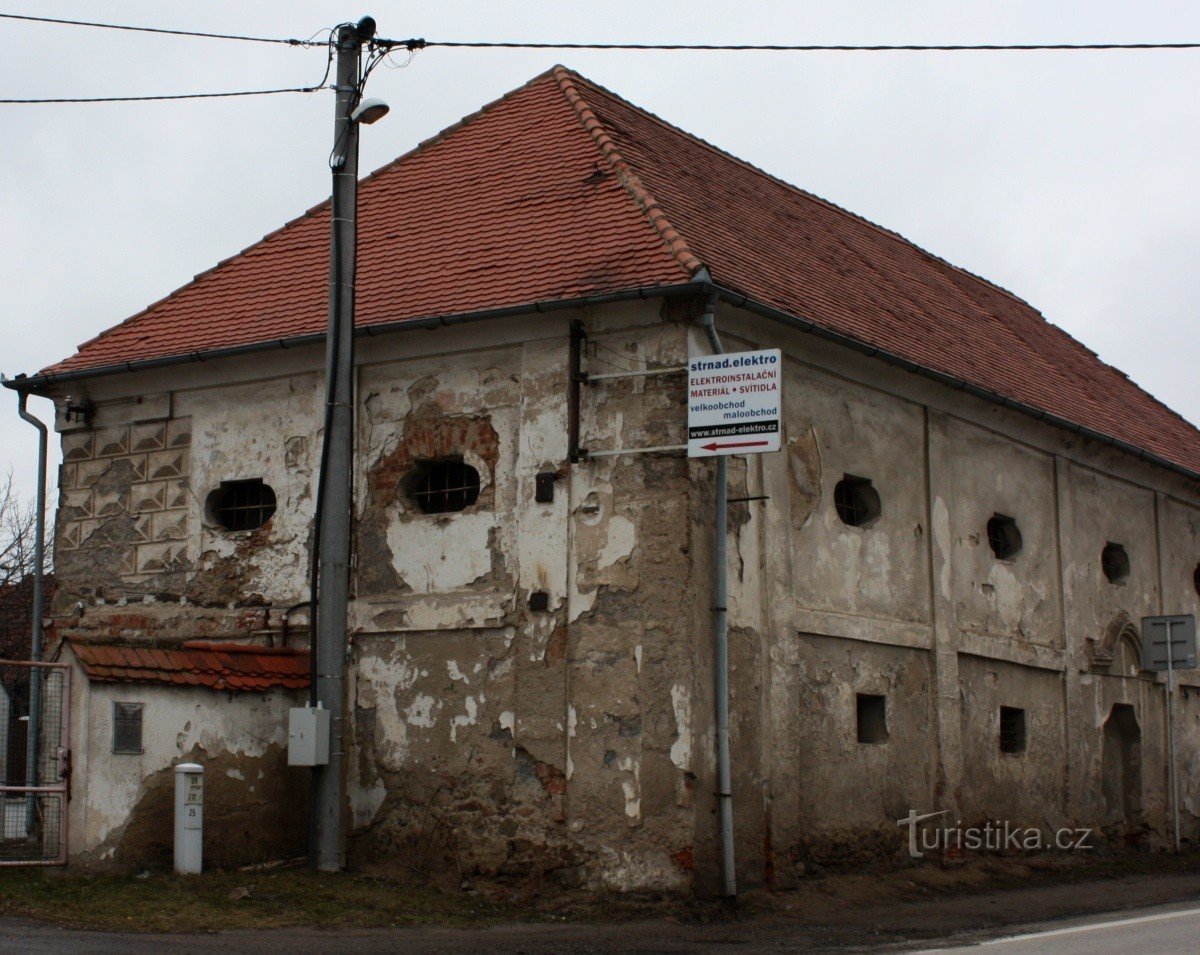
{"x":18,"y":533}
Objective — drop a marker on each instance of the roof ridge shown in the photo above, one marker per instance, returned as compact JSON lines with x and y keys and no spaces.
{"x":792,"y":187}
{"x":626,"y":174}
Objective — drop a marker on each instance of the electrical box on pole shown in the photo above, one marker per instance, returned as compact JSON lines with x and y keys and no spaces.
{"x":308,"y":736}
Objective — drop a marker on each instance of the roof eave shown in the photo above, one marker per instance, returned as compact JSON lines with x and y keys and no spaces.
{"x":806,"y":325}
{"x":38,"y":384}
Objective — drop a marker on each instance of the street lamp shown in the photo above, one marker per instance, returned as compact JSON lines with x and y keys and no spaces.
{"x":369,"y":111}
{"x":331,"y":543}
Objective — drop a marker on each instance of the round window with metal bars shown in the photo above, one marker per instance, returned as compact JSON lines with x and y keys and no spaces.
{"x":1004,"y":537}
{"x":444,"y":486}
{"x":241,"y":505}
{"x":856,"y":501}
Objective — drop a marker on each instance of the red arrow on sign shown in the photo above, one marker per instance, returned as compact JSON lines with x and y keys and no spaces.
{"x":713,"y":446}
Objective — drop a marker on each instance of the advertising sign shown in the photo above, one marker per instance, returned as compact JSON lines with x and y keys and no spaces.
{"x":734,"y":403}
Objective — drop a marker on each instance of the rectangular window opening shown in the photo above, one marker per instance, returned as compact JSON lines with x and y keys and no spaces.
{"x":872,"y":718}
{"x":127,"y":728}
{"x":1012,"y":729}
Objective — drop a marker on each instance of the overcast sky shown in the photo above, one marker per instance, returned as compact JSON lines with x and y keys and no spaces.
{"x":1069,"y":178}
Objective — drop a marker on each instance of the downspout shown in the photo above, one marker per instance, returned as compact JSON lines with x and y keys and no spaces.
{"x":721,"y":639}
{"x":35,"y":651}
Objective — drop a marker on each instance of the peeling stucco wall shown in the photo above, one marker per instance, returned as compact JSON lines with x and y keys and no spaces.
{"x":122,"y":806}
{"x":576,"y":742}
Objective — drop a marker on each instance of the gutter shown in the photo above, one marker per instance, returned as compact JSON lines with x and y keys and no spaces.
{"x":721,"y":636}
{"x":738,"y":300}
{"x":33,"y":745}
{"x":38,"y":384}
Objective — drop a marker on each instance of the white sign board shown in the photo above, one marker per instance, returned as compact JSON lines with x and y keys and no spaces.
{"x":734,"y":403}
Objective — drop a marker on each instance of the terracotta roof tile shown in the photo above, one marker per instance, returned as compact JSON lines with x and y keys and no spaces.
{"x":198,"y":663}
{"x":562,"y":189}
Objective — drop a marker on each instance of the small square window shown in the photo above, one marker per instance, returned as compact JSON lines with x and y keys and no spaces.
{"x":127,"y":728}
{"x":1012,"y":730}
{"x":872,"y":718}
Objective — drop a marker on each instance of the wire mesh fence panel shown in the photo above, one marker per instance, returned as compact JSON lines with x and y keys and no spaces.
{"x":34,"y":743}
{"x":33,"y":828}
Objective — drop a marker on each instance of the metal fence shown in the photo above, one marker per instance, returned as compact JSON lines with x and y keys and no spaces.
{"x":34,"y":762}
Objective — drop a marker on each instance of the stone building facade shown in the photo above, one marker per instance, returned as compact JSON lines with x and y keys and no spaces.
{"x":934,"y":590}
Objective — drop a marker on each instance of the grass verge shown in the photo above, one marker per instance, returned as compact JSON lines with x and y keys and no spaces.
{"x":230,"y":900}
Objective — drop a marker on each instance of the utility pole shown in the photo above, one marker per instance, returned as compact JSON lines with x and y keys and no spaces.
{"x":335,"y":493}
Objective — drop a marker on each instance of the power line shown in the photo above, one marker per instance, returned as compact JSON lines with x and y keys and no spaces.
{"x":143,"y":99}
{"x":419,"y":43}
{"x":136,"y":29}
{"x":177,"y":96}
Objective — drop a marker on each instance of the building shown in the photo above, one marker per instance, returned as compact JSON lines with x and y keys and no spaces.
{"x":934,"y":587}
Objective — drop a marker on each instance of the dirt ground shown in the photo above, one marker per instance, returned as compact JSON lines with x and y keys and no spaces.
{"x":365,"y":914}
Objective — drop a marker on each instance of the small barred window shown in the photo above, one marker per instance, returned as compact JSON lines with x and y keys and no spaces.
{"x":1004,"y":537}
{"x":856,"y":501}
{"x":241,"y":505}
{"x":444,"y":486}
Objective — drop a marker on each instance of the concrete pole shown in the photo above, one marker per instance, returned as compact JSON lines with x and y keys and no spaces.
{"x":334,"y":573}
{"x":721,"y":642}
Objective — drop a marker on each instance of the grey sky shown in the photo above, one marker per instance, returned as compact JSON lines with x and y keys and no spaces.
{"x":1070,"y":179}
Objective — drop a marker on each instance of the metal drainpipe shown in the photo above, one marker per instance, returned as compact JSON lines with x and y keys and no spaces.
{"x":721,"y":640}
{"x":35,"y":651}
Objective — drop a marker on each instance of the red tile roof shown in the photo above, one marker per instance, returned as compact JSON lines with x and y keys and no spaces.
{"x":233,"y":667}
{"x":562,"y":189}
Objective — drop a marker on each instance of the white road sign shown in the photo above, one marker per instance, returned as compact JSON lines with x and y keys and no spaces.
{"x":734,"y":403}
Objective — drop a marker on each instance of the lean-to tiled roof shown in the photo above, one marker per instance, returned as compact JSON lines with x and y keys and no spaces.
{"x":563,"y":190}
{"x":232,"y":667}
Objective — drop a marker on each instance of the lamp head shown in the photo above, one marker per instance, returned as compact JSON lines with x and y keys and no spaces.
{"x":369,"y":111}
{"x":365,"y":28}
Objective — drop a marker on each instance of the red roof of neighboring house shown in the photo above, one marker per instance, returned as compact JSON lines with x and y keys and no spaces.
{"x":562,"y":189}
{"x":216,"y":666}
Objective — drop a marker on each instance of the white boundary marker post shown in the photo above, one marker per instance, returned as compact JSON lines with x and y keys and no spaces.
{"x":189,"y":819}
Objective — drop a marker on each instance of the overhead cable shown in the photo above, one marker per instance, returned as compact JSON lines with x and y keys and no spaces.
{"x":419,"y":43}
{"x":137,"y":29}
{"x":177,"y":96}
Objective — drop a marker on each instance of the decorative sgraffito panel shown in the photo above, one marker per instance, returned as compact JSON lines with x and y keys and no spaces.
{"x":123,"y":514}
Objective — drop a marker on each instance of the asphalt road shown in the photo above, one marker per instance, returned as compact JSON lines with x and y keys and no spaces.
{"x":1164,"y":930}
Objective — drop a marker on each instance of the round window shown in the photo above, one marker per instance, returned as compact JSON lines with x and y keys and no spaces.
{"x":1004,"y":537}
{"x":445,"y":486}
{"x":856,"y":501}
{"x":1114,"y":562}
{"x":241,"y":505}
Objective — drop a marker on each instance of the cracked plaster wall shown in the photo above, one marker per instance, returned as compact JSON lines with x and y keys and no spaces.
{"x":917,"y":608}
{"x":122,"y":806}
{"x":578,"y":741}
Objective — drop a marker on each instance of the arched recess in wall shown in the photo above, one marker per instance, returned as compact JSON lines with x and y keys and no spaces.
{"x":1118,"y":652}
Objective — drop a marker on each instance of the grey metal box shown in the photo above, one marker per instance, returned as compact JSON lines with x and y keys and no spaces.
{"x":1182,"y":630}
{"x":308,"y":736}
